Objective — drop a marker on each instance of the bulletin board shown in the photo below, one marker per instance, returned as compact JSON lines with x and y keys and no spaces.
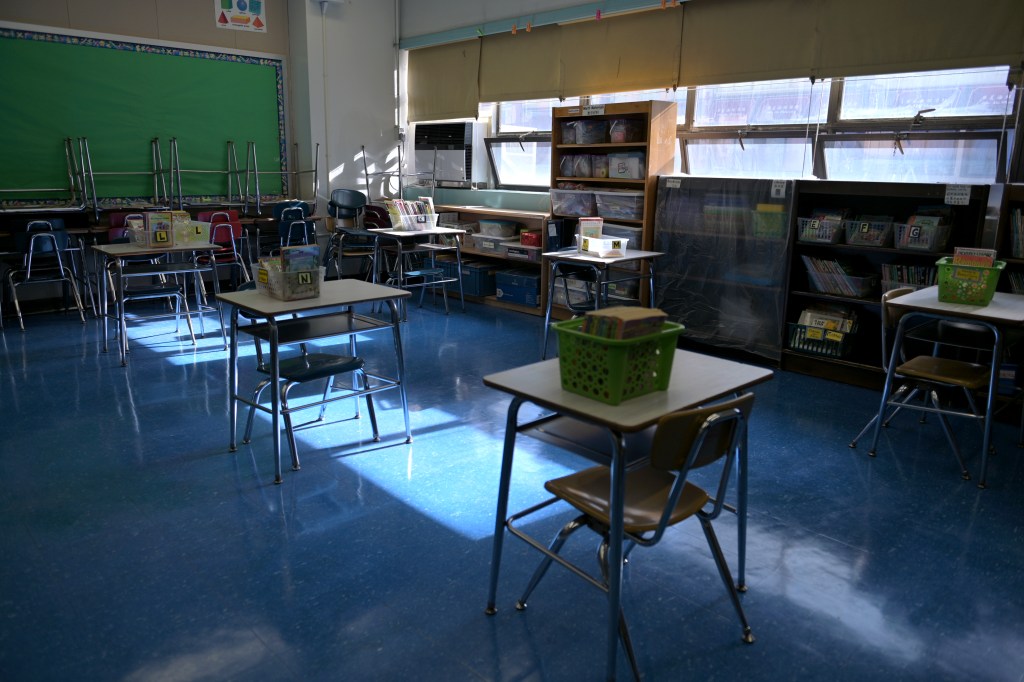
{"x":120,"y":96}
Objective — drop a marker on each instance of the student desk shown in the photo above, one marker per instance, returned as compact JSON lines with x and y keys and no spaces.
{"x":601,"y":267}
{"x":696,"y":379}
{"x":1006,"y":311}
{"x":396,"y":241}
{"x":118,"y":253}
{"x":329,"y":314}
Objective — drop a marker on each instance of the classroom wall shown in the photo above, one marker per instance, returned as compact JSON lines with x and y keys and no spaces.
{"x":353,"y":106}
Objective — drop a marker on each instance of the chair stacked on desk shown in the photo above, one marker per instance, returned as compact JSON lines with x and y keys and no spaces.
{"x":226,"y":231}
{"x":350,"y":240}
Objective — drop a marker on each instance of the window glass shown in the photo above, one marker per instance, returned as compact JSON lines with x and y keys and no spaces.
{"x":952,"y":161}
{"x":786,"y":102}
{"x":976,"y":92}
{"x":528,"y":115}
{"x":678,"y":96}
{"x":520,"y":164}
{"x":756,"y":158}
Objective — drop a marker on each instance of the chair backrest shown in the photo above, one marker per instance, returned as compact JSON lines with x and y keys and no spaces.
{"x":346,"y":203}
{"x":376,"y":217}
{"x":695,"y":438}
{"x":291,"y":205}
{"x":890,"y":318}
{"x":294,"y":232}
{"x":224,"y":229}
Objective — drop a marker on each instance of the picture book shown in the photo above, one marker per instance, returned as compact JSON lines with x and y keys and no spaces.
{"x":978,"y":257}
{"x":296,"y":258}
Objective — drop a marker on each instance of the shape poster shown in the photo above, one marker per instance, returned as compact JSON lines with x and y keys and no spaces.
{"x":240,"y":15}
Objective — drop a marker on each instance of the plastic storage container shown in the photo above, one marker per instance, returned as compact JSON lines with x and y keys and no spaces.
{"x":626,"y":165}
{"x":518,"y":286}
{"x":868,"y":232}
{"x":819,"y":231}
{"x":626,"y":130}
{"x":498,"y":228}
{"x":921,"y":237}
{"x":590,"y":131}
{"x":611,"y":370}
{"x":620,"y":205}
{"x":573,"y":202}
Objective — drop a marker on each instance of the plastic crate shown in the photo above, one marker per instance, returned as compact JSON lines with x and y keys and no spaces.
{"x":571,"y":202}
{"x":819,"y":231}
{"x":620,"y":205}
{"x":921,"y":237}
{"x":970,"y":284}
{"x":868,"y":233}
{"x":827,"y":342}
{"x":288,"y":286}
{"x":610,"y":370}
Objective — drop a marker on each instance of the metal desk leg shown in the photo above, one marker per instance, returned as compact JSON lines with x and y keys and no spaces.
{"x":741,"y":514}
{"x":233,"y":379}
{"x":122,"y":324}
{"x":275,"y":397}
{"x":547,"y":308}
{"x":616,"y":499}
{"x":216,"y":292}
{"x":104,"y":296}
{"x":990,"y":402}
{"x":400,"y":358}
{"x":650,"y":282}
{"x":511,"y":429}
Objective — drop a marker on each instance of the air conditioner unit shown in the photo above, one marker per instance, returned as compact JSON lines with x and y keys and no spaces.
{"x":447,"y":150}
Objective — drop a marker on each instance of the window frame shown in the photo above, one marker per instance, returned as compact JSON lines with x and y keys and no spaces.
{"x":501,"y":140}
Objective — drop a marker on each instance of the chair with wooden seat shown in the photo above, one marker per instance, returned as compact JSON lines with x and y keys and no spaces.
{"x":927,"y":379}
{"x":658,"y":494}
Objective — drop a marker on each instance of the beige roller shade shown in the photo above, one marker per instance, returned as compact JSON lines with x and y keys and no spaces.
{"x":520,"y":66}
{"x":443,"y":81}
{"x":881,"y":36}
{"x":735,"y":41}
{"x":637,"y":51}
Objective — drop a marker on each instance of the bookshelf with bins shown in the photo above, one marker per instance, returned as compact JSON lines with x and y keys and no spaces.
{"x":605,"y":161}
{"x":1010,"y":242}
{"x":724,"y":272}
{"x":851,"y":242}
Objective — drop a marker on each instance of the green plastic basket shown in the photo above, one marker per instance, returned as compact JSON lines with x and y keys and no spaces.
{"x":970,"y":284}
{"x":610,"y":370}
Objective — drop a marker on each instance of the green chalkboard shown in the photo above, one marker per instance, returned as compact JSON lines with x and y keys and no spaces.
{"x":119,"y":97}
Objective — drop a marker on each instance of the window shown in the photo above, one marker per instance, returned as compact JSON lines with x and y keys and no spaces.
{"x":961,"y":161}
{"x":746,"y":157}
{"x":522,"y":162}
{"x":789,"y":102}
{"x":938,"y":94}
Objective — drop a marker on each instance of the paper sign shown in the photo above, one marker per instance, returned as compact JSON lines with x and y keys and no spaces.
{"x":593,"y":110}
{"x":958,"y":195}
{"x":673,"y":183}
{"x":778,"y":189}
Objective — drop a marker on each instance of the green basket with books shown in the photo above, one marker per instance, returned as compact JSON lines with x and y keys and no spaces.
{"x":966,"y":283}
{"x":613,"y":370}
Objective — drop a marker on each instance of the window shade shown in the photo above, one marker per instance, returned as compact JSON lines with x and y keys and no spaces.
{"x":637,"y":51}
{"x":521,"y":66}
{"x":443,"y":81}
{"x":737,"y":41}
{"x":879,"y":36}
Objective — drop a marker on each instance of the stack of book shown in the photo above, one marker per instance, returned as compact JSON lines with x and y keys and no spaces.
{"x":403,"y":207}
{"x":1017,"y":233}
{"x":983,"y":258}
{"x":834,"y":277}
{"x":623,"y":322}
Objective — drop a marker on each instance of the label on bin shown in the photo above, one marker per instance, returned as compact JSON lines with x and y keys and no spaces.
{"x":966,"y":274}
{"x":834,"y":336}
{"x":778,"y":189}
{"x":958,"y":195}
{"x":815,"y":333}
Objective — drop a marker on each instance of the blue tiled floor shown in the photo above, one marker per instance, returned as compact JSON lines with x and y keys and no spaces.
{"x":136,"y":547}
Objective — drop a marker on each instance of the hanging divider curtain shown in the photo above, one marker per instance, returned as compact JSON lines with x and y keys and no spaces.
{"x":443,"y":81}
{"x":521,"y":66}
{"x":637,"y":51}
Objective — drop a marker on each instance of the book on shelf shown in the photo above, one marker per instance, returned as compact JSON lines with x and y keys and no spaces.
{"x":297,"y":258}
{"x":829,"y":214}
{"x":1016,"y":235}
{"x":963,"y":255}
{"x":828,"y":318}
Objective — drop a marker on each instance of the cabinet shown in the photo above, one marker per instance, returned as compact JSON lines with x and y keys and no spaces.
{"x":605,"y":161}
{"x":726,"y":262}
{"x":530,"y":220}
{"x":869,"y":269}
